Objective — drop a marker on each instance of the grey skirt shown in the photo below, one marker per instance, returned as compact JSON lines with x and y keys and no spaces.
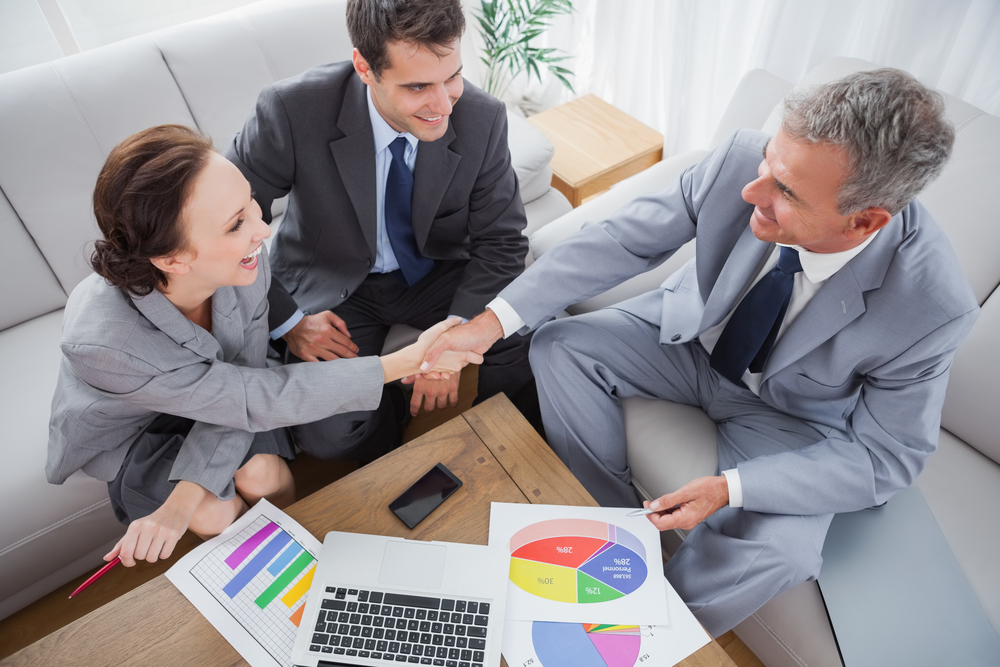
{"x":143,"y":483}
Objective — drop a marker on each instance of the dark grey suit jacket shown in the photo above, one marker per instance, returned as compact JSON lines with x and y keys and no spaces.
{"x":311,"y":135}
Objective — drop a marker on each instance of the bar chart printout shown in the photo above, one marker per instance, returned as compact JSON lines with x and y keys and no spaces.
{"x":251,"y":583}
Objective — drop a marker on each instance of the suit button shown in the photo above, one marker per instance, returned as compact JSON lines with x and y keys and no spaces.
{"x":368,"y":263}
{"x":343,"y":293}
{"x":675,"y":338}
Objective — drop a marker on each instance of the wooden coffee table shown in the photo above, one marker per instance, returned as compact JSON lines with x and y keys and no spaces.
{"x":490,"y":447}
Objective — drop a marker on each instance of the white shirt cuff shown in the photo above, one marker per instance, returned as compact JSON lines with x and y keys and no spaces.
{"x":287,"y":326}
{"x":735,"y":487}
{"x":509,"y":319}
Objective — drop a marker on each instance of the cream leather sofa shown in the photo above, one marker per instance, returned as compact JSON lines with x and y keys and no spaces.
{"x":58,"y":121}
{"x":670,"y":444}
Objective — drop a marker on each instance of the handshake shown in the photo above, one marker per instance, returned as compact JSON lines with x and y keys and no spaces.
{"x":410,"y":361}
{"x":432,"y":364}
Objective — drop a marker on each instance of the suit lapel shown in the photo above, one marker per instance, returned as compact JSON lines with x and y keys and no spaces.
{"x":744,"y":262}
{"x":838,"y":303}
{"x":164,"y":315}
{"x":436,"y":165}
{"x":227,"y":330}
{"x":354,"y":155}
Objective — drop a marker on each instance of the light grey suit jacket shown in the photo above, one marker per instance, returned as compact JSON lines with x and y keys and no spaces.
{"x":128,"y":359}
{"x":866,"y":362}
{"x":311,"y":135}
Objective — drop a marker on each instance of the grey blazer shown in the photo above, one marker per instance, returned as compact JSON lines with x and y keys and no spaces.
{"x":866,"y":362}
{"x":127,"y":359}
{"x":311,"y":135}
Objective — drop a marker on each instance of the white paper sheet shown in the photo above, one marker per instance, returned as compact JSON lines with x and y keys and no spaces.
{"x":251,"y":582}
{"x":580,"y":564}
{"x":539,"y":644}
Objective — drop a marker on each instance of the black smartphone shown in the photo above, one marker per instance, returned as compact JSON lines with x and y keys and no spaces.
{"x":425,"y":495}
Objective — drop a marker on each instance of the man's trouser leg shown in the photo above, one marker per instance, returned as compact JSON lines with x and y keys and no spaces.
{"x":735,"y":561}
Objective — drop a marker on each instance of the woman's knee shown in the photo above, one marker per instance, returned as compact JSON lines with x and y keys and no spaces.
{"x":261,"y":475}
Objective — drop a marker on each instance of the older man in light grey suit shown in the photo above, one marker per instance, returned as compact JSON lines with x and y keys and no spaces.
{"x":837,"y":409}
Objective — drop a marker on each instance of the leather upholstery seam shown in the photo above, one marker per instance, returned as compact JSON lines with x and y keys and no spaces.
{"x":782,"y":644}
{"x":54,"y":526}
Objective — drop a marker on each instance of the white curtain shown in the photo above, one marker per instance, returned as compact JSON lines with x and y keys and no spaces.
{"x":674,"y":64}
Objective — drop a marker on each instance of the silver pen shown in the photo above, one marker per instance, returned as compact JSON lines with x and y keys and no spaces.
{"x":649,"y":510}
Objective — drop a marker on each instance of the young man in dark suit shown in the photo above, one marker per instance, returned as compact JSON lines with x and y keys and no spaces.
{"x":403,"y":208}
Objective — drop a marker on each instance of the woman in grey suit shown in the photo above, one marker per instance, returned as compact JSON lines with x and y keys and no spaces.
{"x":163,"y":390}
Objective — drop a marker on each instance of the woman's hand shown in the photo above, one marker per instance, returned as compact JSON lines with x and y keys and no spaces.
{"x":155,"y":536}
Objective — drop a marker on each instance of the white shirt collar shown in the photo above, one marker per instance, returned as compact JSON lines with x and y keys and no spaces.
{"x":384,"y":134}
{"x":819,"y":266}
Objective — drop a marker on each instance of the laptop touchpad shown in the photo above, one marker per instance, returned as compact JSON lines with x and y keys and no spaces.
{"x":413,"y":564}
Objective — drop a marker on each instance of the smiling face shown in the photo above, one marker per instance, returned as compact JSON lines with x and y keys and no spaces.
{"x":795,"y":198}
{"x":416,"y":92}
{"x":223,"y":228}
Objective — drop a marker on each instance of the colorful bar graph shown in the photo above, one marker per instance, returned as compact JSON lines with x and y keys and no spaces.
{"x":257,"y":563}
{"x":296,"y":618}
{"x":282,"y":581}
{"x":247,"y":547}
{"x":296,"y":592}
{"x":285,"y":558}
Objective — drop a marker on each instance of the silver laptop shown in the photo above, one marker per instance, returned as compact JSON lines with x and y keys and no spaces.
{"x":379,"y":600}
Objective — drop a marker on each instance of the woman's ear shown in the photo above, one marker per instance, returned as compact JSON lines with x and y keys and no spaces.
{"x":177,"y":264}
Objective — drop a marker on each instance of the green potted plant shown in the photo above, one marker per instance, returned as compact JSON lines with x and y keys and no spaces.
{"x":507,"y":28}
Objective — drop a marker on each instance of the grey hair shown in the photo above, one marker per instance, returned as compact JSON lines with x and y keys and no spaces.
{"x":892,"y":127}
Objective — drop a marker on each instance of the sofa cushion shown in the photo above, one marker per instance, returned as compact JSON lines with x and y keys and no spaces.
{"x":27,"y":284}
{"x":295,"y":35}
{"x":962,"y":198}
{"x":222,"y":62}
{"x":530,"y":152}
{"x":962,"y":488}
{"x":970,"y":407}
{"x":65,"y":522}
{"x":60,"y":120}
{"x":659,"y":176}
{"x":668,"y":444}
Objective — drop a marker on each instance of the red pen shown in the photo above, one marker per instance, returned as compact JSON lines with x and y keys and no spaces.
{"x":97,"y":575}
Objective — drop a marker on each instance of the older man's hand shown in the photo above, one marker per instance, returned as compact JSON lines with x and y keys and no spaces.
{"x":689,"y":505}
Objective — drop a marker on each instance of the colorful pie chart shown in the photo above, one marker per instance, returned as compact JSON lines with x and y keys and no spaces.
{"x":586,"y":644}
{"x":577,"y":560}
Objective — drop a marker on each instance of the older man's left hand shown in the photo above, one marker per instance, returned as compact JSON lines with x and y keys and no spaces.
{"x":689,"y":505}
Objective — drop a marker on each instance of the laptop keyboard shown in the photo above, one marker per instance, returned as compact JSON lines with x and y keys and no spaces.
{"x":393,"y":627}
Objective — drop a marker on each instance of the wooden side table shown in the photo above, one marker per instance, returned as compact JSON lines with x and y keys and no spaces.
{"x":596,"y":146}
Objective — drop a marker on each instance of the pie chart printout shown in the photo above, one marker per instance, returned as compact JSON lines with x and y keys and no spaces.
{"x":577,"y":561}
{"x":586,"y":644}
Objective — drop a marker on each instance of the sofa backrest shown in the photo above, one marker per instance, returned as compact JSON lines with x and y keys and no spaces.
{"x":59,"y":121}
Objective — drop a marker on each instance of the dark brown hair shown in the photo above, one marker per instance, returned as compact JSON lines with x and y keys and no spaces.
{"x":138,"y":199}
{"x":372,"y":24}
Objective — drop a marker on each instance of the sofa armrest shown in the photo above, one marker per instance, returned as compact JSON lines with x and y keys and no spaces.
{"x":657,"y":177}
{"x":756,"y":96}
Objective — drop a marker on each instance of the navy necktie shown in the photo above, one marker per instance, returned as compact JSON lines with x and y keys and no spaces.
{"x":750,"y":333}
{"x":399,"y":219}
